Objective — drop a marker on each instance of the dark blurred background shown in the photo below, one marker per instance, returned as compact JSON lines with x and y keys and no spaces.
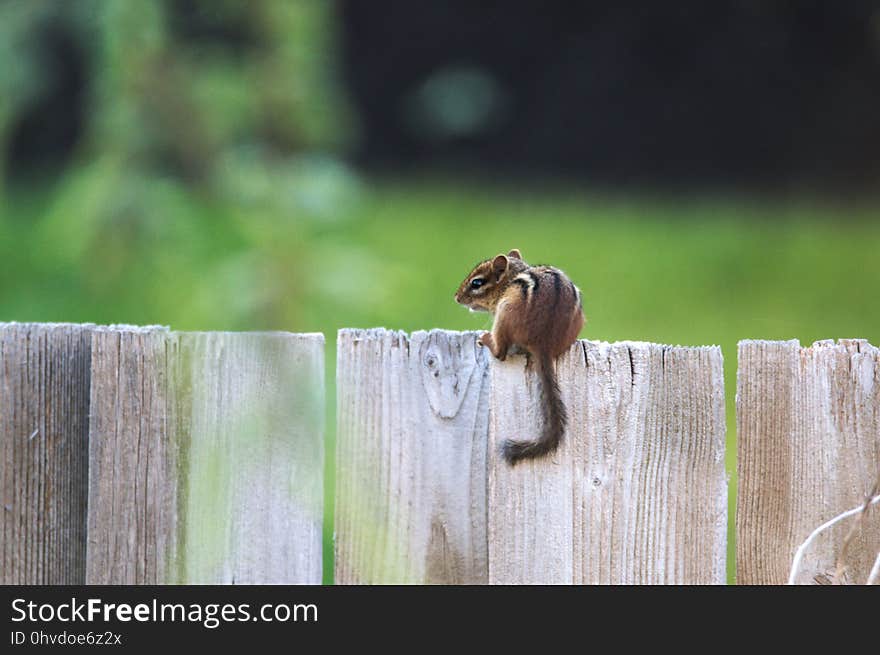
{"x":705,"y":172}
{"x":745,"y":93}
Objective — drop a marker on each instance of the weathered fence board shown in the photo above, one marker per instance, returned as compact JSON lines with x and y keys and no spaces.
{"x":411,"y":458}
{"x":206,"y":457}
{"x":808,"y":422}
{"x":636,"y":494}
{"x":44,"y":383}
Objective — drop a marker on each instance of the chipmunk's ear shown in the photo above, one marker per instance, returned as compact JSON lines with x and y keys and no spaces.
{"x":514,"y":254}
{"x":499,"y":264}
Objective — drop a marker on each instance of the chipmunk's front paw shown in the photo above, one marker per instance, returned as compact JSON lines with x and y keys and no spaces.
{"x":486,"y":340}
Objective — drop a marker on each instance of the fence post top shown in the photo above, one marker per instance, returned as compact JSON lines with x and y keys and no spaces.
{"x":375,"y":333}
{"x":860,"y":345}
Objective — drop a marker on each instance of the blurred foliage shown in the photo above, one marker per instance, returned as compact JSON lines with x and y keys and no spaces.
{"x":197,"y":112}
{"x":187,"y":89}
{"x":205,"y":192}
{"x":215,"y":79}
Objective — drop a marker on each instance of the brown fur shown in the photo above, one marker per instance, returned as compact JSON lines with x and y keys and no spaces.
{"x":538,"y":309}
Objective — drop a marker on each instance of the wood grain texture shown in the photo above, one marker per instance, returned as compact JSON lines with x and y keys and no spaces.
{"x":206,"y":457}
{"x":637,"y":492}
{"x":411,"y":458}
{"x":808,"y":422}
{"x":44,"y":408}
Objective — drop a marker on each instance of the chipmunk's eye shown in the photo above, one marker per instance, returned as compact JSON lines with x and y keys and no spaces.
{"x":477,"y":282}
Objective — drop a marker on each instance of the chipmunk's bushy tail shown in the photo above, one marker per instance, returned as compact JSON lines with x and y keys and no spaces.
{"x":554,"y":417}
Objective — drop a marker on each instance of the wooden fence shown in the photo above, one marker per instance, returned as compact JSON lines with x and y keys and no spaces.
{"x":808,"y":422}
{"x":198,"y":455}
{"x":141,"y":455}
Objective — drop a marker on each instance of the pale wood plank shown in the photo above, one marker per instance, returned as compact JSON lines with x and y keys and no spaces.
{"x":808,"y":421}
{"x":44,"y":408}
{"x":133,"y":460}
{"x":636,"y":494}
{"x":411,"y":458}
{"x":206,"y":459}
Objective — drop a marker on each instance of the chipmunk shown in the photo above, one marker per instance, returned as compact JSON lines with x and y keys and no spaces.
{"x":538,"y":309}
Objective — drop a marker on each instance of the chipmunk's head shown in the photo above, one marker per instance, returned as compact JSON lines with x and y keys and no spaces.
{"x":483,"y":287}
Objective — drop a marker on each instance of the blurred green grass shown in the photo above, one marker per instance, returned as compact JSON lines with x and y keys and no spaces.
{"x":347,"y":252}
